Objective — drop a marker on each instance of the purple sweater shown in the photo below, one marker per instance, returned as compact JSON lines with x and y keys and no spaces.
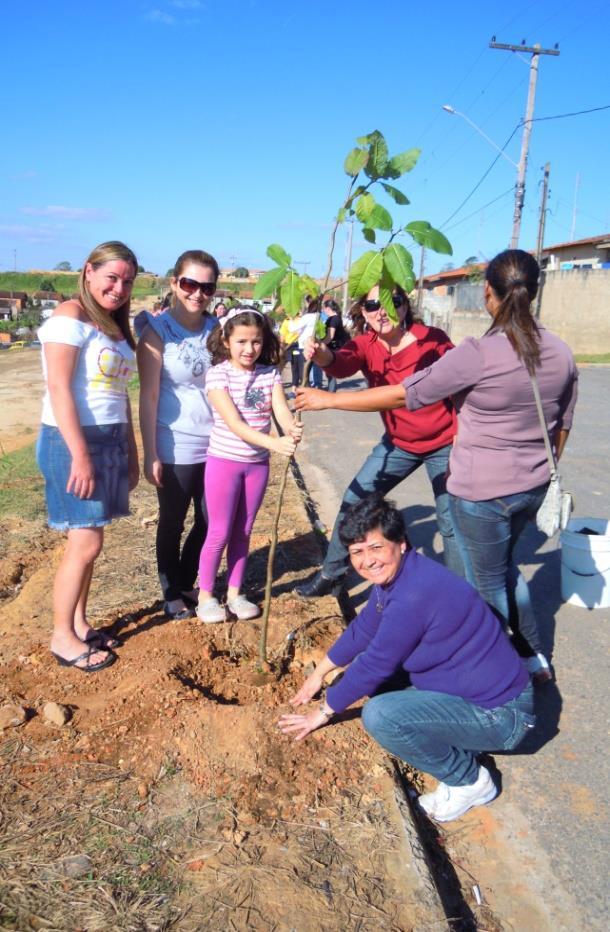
{"x":499,"y":448}
{"x":437,"y":628}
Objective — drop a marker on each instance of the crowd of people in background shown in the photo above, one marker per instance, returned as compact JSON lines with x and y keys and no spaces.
{"x":464,"y":634}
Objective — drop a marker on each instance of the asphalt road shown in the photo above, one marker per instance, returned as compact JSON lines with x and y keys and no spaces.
{"x":549,"y":829}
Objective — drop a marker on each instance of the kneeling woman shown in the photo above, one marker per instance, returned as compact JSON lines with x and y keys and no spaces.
{"x":470,"y":691}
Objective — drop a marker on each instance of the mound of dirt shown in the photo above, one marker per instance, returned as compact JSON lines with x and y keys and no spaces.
{"x":186,"y":722}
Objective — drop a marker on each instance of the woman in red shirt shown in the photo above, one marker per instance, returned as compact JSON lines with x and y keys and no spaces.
{"x":387,"y":353}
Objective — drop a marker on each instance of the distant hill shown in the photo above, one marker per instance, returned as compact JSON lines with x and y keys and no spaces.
{"x":67,"y":282}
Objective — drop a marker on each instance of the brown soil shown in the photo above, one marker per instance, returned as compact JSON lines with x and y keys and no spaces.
{"x":171,"y":778}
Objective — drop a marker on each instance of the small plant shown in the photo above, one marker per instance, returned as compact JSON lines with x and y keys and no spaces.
{"x":370,"y":168}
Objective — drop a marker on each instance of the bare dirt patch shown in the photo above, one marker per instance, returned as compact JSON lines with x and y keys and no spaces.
{"x":170,"y":800}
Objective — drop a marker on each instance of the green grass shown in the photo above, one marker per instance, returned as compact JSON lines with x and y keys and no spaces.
{"x":67,"y":284}
{"x":21,"y":485}
{"x":592,"y":357}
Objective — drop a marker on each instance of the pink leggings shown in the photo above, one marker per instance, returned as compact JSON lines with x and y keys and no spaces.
{"x":233,"y":494}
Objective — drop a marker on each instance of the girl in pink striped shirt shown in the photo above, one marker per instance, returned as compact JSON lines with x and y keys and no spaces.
{"x":243,"y":387}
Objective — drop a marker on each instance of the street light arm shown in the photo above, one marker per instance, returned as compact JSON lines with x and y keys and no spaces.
{"x":449,"y":109}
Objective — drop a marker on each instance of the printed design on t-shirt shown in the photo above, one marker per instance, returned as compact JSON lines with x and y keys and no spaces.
{"x":113,"y":370}
{"x":194,"y":356}
{"x":255,"y":398}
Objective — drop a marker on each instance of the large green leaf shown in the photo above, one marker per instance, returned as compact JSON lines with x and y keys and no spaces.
{"x":269,"y":282}
{"x":365,"y":273}
{"x":395,"y":194}
{"x":402,"y":163}
{"x":380,"y":218}
{"x":425,"y":234}
{"x":291,"y":294}
{"x":279,"y":255}
{"x":378,"y":156}
{"x":364,"y":207}
{"x":386,"y":288}
{"x":309,"y":286}
{"x":355,"y":161}
{"x":399,"y":264}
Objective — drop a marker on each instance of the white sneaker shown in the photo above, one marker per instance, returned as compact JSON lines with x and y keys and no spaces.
{"x":539,"y":669}
{"x":211,"y":611}
{"x":450,"y":802}
{"x":242,"y":609}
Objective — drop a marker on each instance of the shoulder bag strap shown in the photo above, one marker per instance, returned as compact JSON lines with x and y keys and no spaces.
{"x":545,"y":433}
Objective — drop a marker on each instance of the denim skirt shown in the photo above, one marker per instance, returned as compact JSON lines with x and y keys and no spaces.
{"x":107,"y":444}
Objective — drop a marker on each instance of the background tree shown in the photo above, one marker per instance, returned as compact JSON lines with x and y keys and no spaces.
{"x":241,"y":272}
{"x":63,"y":267}
{"x":46,"y":284}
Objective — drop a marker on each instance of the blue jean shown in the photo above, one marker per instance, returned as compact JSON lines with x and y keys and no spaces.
{"x":315,"y":376}
{"x":441,"y":734}
{"x":108,"y":448}
{"x":487,"y":532}
{"x":383,"y":469}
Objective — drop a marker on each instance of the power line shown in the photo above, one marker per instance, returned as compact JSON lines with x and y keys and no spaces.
{"x":479,"y":209}
{"x":562,"y":116}
{"x":482,"y":179}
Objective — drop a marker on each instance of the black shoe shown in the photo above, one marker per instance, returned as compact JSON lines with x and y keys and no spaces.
{"x":320,"y":585}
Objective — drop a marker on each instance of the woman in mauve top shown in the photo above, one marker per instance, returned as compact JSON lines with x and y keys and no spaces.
{"x":468,"y":691}
{"x":498,"y":469}
{"x":386,"y":352}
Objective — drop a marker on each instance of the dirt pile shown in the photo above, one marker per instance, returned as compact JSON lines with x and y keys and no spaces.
{"x":170,"y":780}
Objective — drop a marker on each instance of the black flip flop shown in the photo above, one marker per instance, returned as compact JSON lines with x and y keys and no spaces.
{"x":91,"y":667}
{"x":101,"y":639}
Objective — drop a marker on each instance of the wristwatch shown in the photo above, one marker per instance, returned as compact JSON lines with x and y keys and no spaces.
{"x":324,"y":712}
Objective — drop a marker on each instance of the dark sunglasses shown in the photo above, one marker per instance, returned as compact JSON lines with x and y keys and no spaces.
{"x":371,"y":307}
{"x":190,"y":286}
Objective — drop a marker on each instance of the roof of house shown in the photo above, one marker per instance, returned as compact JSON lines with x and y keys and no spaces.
{"x":597,"y":241}
{"x":16,"y":295}
{"x":48,"y":296}
{"x":453,"y":274}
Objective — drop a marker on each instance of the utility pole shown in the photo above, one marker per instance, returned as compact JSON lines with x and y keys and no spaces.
{"x":420,"y":289}
{"x":542,"y":217}
{"x":535,"y":51}
{"x":540,"y":243}
{"x":574,"y":211}
{"x":348,"y":262}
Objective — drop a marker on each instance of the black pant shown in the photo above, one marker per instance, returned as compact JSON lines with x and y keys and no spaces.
{"x":181,"y":486}
{"x":297,"y":364}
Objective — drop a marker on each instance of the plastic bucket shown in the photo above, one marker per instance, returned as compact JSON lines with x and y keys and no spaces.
{"x":585,"y":563}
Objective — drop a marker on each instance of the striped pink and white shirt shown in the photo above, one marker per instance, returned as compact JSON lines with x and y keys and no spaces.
{"x":251,"y":394}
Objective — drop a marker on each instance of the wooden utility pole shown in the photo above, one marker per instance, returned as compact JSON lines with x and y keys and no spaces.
{"x":540,"y":243}
{"x":422,"y":263}
{"x":535,"y":51}
{"x":348,"y":262}
{"x":542,"y":217}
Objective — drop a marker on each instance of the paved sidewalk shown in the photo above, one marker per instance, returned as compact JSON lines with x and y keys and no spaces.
{"x":538,"y":852}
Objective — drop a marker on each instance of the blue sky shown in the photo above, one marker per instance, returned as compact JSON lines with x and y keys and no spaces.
{"x":223,"y":124}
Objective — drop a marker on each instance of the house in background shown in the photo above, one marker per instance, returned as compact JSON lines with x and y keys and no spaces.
{"x":12,"y":303}
{"x":590,"y":253}
{"x":445,"y":283}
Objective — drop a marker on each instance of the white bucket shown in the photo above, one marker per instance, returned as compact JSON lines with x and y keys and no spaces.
{"x":585,"y":563}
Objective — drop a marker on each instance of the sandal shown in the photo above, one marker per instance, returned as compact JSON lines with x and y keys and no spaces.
{"x":101,"y":639}
{"x":179,"y":614}
{"x":90,"y":667}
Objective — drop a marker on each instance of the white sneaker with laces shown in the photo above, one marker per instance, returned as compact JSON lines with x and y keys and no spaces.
{"x":242,"y":608}
{"x":450,"y":802}
{"x":210,"y":611}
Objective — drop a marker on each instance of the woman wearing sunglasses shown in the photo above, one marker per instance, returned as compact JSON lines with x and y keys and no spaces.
{"x":387,"y":353}
{"x":176,"y":421}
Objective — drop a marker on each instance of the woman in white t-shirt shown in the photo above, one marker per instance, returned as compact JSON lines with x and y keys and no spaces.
{"x":86,"y":449}
{"x":176,"y":421}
